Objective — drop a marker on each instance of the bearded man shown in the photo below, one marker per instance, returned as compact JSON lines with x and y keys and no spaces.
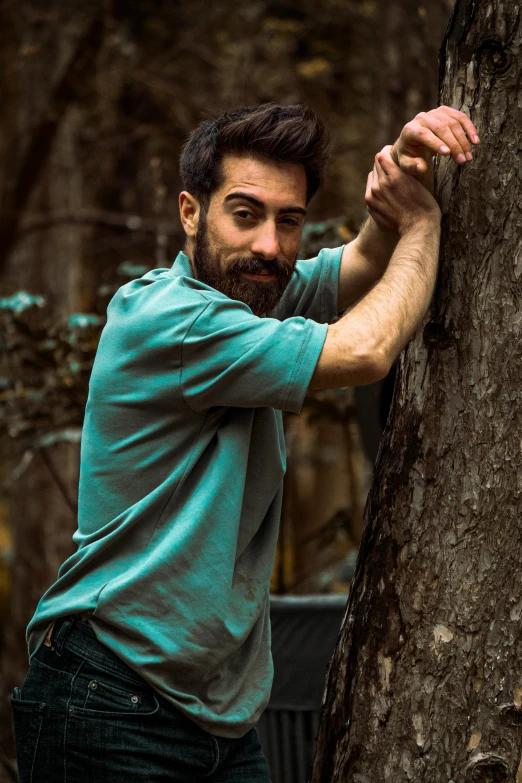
{"x":150,"y":654}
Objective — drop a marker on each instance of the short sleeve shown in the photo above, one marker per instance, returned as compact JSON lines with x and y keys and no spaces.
{"x":313,"y":290}
{"x":231,"y":357}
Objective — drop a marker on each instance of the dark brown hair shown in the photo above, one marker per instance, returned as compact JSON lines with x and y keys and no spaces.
{"x":290,"y":134}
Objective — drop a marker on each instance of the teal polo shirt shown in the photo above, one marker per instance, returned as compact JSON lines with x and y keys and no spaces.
{"x":182,"y":463}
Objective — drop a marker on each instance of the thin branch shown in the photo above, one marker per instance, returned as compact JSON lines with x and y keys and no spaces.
{"x":38,"y":222}
{"x":60,"y":484}
{"x":119,"y":140}
{"x":19,"y":470}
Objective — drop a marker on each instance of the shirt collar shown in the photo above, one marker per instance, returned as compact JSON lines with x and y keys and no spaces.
{"x":182,"y":266}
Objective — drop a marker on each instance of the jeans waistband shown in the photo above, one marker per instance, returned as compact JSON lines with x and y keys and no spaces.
{"x":79,"y":637}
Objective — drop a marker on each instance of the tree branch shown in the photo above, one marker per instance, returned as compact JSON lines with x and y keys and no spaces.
{"x":38,"y":222}
{"x":41,"y":143}
{"x":73,"y":507}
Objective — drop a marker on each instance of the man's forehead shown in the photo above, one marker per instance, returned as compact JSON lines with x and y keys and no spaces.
{"x":264,"y":178}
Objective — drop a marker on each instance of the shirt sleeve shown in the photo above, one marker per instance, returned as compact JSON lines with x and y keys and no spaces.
{"x":313,"y":289}
{"x":231,"y":357}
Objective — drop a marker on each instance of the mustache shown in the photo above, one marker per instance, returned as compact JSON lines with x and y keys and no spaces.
{"x":254,"y":266}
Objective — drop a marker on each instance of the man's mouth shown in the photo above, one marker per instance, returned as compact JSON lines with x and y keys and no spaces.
{"x":264,"y":277}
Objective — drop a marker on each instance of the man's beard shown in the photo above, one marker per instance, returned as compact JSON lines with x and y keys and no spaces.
{"x":259,"y":296}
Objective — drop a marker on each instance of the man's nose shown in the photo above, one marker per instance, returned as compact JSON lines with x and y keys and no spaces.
{"x":266,"y":242}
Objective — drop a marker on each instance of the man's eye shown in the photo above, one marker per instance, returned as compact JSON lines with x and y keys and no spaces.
{"x":243,"y":213}
{"x":290,"y":222}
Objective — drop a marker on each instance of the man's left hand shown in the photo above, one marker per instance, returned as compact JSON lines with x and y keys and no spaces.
{"x":444,"y":130}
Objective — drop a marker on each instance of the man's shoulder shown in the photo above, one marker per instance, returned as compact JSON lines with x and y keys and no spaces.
{"x":162,"y":305}
{"x":160,"y":292}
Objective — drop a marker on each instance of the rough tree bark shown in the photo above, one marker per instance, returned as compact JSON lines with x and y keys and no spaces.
{"x":426,"y":680}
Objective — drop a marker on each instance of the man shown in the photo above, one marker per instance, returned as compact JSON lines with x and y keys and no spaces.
{"x":150,"y":654}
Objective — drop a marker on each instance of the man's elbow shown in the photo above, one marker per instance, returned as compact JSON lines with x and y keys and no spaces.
{"x":344,"y":367}
{"x":374,"y":366}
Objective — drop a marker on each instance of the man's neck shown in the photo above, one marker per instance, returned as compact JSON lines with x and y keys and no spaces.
{"x":189,"y":252}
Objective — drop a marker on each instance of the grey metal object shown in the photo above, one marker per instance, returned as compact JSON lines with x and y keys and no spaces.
{"x":304,"y":632}
{"x":288,"y":740}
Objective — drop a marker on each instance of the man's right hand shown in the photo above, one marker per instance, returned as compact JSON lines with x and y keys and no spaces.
{"x":395,"y":200}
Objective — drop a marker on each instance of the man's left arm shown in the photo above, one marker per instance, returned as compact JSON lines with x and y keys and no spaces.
{"x":443,"y":131}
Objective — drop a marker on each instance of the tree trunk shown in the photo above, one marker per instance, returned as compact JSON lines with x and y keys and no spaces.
{"x":426,"y":680}
{"x":54,"y":50}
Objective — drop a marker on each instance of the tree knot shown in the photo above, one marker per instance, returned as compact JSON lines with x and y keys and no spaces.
{"x":493,"y":57}
{"x":435,"y":335}
{"x":511,"y":713}
{"x":487,"y":768}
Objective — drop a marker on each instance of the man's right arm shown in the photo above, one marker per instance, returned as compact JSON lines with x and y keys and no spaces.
{"x":361,"y":347}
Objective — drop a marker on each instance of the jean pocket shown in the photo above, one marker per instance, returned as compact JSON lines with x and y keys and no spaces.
{"x":99,"y":692}
{"x":27,"y":722}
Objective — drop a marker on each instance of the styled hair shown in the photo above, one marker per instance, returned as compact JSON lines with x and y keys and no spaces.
{"x":288,"y":134}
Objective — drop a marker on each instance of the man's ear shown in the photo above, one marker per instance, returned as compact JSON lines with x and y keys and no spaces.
{"x":189,"y":212}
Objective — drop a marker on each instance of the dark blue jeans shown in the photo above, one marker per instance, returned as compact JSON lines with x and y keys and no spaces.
{"x":82,"y":715}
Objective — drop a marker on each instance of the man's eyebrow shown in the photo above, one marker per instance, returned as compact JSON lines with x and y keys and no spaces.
{"x":261,"y":204}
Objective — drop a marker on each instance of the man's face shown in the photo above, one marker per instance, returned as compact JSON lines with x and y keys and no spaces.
{"x":246,"y":244}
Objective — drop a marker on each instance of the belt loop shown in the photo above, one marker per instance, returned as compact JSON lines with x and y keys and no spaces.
{"x":61,"y":636}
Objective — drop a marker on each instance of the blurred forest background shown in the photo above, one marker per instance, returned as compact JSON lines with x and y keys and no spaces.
{"x":98,"y":99}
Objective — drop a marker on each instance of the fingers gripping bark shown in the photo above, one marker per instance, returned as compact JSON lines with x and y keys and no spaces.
{"x":444,"y":130}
